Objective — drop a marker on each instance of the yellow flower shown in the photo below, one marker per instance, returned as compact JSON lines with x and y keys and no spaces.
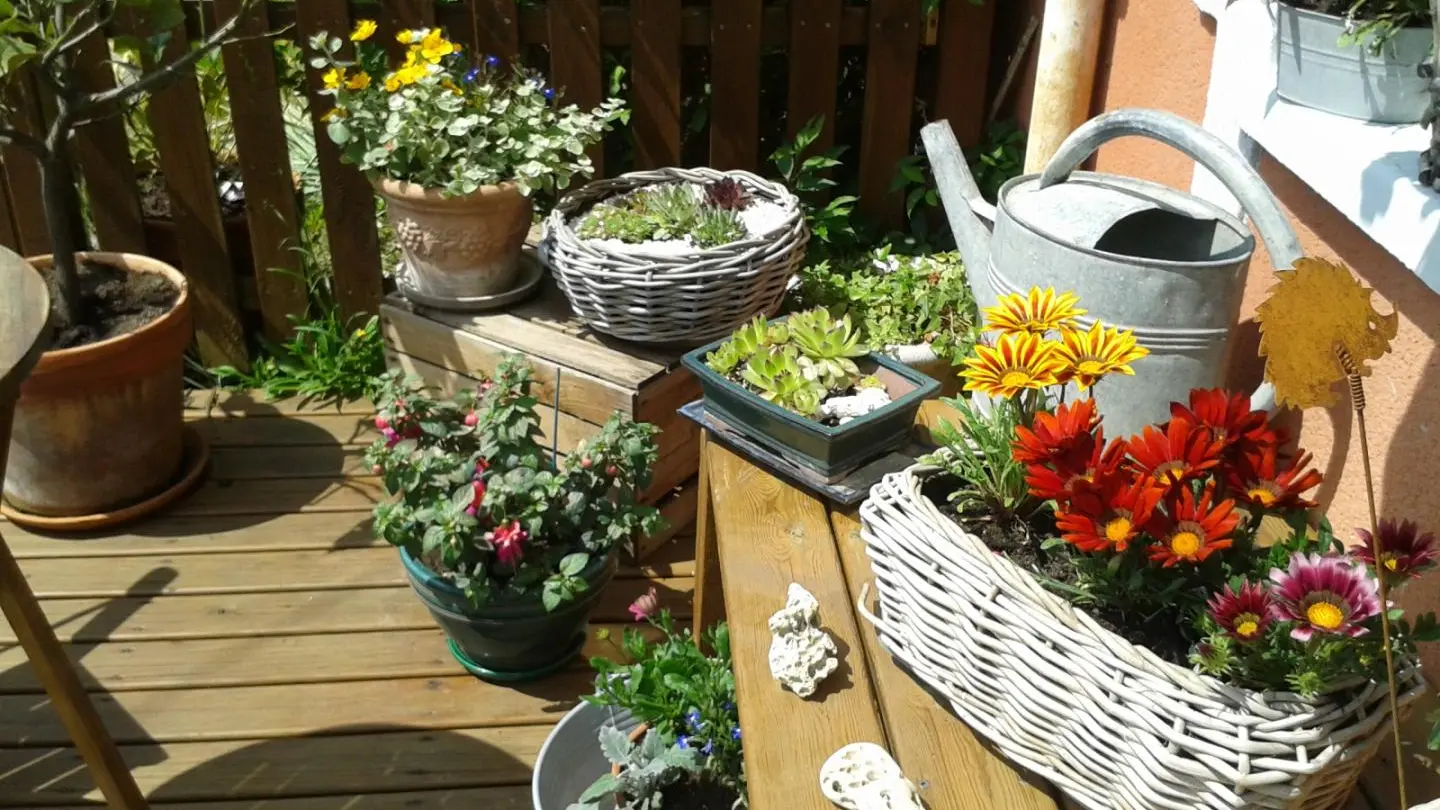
{"x":451,"y":86}
{"x":359,"y":81}
{"x":1017,"y":362}
{"x":411,"y":75}
{"x":407,"y":37}
{"x":334,"y":112}
{"x":1088,"y":356}
{"x":333,"y":78}
{"x":1038,"y":312}
{"x":392,"y":82}
{"x":436,"y":47}
{"x":364,"y":29}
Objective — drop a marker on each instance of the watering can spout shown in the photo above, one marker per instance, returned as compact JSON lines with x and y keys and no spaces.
{"x":965,"y":208}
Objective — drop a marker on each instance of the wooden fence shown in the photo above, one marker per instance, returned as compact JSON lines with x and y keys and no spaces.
{"x":659,"y":38}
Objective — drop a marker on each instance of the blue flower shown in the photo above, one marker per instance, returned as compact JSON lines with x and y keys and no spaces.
{"x":492,"y":61}
{"x":708,"y":749}
{"x":735,"y":733}
{"x":549,"y":92}
{"x":682,"y":741}
{"x":693,"y":719}
{"x":728,"y":706}
{"x":471,"y":75}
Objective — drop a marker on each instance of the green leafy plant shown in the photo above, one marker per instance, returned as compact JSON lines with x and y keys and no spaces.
{"x":1372,"y":23}
{"x":715,"y":227}
{"x":665,"y":212}
{"x":896,"y":300}
{"x":978,"y":454}
{"x":779,"y":377}
{"x":832,"y":224}
{"x":999,"y":159}
{"x":474,"y":496}
{"x":444,"y":121}
{"x":646,"y":768}
{"x":214,"y":100}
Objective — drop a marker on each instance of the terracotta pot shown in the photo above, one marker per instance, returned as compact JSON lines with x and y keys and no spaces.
{"x":100,"y":426}
{"x":459,"y":247}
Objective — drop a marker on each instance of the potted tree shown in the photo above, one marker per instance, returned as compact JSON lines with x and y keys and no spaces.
{"x":508,"y":549}
{"x":1357,"y":58}
{"x":98,"y":427}
{"x":455,"y":145}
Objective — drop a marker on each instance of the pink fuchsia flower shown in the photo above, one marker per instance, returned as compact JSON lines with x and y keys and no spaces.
{"x":381,"y":423}
{"x":391,"y":437}
{"x":481,"y":465}
{"x":1244,"y":614}
{"x":1324,"y":594}
{"x":472,"y":419}
{"x":509,"y":542}
{"x":479,"y":496}
{"x":645,"y":605}
{"x":1405,"y":553}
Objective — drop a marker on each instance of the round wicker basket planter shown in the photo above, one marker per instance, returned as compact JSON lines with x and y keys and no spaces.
{"x":1110,"y":723}
{"x":692,"y":298}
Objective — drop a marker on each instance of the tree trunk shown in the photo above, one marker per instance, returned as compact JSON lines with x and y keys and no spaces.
{"x":58,"y":194}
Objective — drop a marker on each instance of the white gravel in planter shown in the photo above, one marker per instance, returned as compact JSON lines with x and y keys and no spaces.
{"x":847,"y":408}
{"x":761,"y":218}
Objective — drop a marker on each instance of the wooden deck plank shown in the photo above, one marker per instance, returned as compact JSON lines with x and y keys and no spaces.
{"x":253,"y":712}
{"x":168,"y":534}
{"x":255,"y":770}
{"x":201,"y":403}
{"x":770,"y":535}
{"x":329,"y":461}
{"x":936,"y":749}
{"x":395,"y":608}
{"x":259,"y":661}
{"x":303,"y":430}
{"x":516,"y":797}
{"x":219,"y":497}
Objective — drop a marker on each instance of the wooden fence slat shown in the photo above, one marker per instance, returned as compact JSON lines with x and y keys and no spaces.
{"x":395,"y":16}
{"x":960,"y":93}
{"x":814,"y":65}
{"x":735,"y":84}
{"x":8,"y":238}
{"x":349,"y":200}
{"x":23,"y":170}
{"x":103,"y":152}
{"x":889,"y":94}
{"x":264,"y":157}
{"x":655,"y":82}
{"x":497,"y":27}
{"x":182,"y":139}
{"x":575,"y":66}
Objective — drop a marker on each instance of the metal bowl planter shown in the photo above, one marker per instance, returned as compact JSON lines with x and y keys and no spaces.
{"x":686,"y":299}
{"x":1107,"y":721}
{"x":571,"y":760}
{"x":1315,"y":70}
{"x":833,"y":452}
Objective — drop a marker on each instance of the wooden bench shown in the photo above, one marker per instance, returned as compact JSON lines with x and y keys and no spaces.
{"x":755,"y":534}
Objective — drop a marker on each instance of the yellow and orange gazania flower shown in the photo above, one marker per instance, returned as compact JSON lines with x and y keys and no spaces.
{"x":1193,"y":530}
{"x":1088,"y":356}
{"x":1017,"y":362}
{"x":1037,"y":312}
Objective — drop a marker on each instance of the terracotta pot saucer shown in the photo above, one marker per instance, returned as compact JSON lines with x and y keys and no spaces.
{"x":532,"y":272}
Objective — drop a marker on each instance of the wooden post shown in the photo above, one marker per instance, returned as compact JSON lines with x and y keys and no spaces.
{"x":1065,"y":76}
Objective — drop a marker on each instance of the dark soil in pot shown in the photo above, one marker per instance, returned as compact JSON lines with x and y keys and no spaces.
{"x":704,"y":794}
{"x":113,"y":302}
{"x":1021,"y":543}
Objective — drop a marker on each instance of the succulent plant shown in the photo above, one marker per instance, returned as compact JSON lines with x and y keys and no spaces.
{"x":646,"y":769}
{"x":714,"y":227}
{"x":726,"y":358}
{"x":671,"y":208}
{"x":727,"y":194}
{"x":826,"y":347}
{"x":610,"y":222}
{"x":777,"y":375}
{"x":870,"y":381}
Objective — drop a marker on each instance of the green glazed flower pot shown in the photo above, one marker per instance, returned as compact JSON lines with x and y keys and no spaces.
{"x":512,"y":639}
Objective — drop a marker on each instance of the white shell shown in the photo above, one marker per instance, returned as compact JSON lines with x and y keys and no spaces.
{"x":863,"y":776}
{"x":801,"y":654}
{"x":863,"y":402}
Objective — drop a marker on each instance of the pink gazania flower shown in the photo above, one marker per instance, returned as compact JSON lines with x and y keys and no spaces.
{"x":1324,"y":595}
{"x":1244,"y":614}
{"x":509,"y":542}
{"x":1405,"y":553}
{"x":645,"y":605}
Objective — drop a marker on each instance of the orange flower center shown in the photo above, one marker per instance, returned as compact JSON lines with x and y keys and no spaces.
{"x":1247,"y":625}
{"x":1325,"y":615}
{"x":1090,"y":367}
{"x":1171,"y":472}
{"x":1016,"y":379}
{"x":1186,"y":543}
{"x":1118,"y":529}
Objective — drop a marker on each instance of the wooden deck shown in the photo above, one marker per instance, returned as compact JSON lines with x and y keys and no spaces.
{"x":256,"y":643}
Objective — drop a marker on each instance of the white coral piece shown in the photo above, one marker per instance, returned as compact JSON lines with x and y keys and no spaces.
{"x":801,"y":654}
{"x":863,"y":776}
{"x":846,"y":408}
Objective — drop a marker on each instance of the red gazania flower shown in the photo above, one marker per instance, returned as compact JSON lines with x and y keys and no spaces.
{"x":1228,"y":417}
{"x":1192,"y":530}
{"x":1265,"y":481}
{"x":1175,"y":454}
{"x":1064,"y":438}
{"x":1244,"y":614}
{"x":1059,"y":483}
{"x":1106,"y":517}
{"x":1405,"y":553}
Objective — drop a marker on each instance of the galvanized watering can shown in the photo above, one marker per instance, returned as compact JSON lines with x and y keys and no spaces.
{"x":1141,"y":256}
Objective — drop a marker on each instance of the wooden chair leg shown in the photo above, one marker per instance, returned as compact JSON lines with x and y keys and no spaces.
{"x":63,"y":686}
{"x":709,"y":595}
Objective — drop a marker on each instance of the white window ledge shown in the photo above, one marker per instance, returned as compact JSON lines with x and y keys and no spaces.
{"x":1368,"y":172}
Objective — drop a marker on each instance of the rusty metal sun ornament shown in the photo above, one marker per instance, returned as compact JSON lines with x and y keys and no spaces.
{"x":1314,"y":311}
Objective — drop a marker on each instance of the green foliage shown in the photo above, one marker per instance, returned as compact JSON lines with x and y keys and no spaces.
{"x":796,"y":363}
{"x":445,"y":122}
{"x":1372,"y":23}
{"x":779,"y":377}
{"x":717,"y":226}
{"x":646,"y":769}
{"x":977,"y":451}
{"x":896,"y":300}
{"x":832,"y":227}
{"x":475,"y":496}
{"x":1001,"y":158}
{"x":827,"y":347}
{"x":322,"y":362}
{"x":214,"y":100}
{"x":663,"y":212}
{"x":683,"y":693}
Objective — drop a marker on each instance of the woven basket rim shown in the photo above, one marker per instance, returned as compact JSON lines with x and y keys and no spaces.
{"x":1407,"y":667}
{"x":559,"y":232}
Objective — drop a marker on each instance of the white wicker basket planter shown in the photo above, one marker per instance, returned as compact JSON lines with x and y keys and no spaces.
{"x":692,"y":298}
{"x":1110,"y":723}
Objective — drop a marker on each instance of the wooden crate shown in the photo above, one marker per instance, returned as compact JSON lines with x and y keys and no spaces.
{"x":587,"y":375}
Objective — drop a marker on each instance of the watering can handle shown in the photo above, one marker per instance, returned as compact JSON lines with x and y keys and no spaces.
{"x":1207,"y":150}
